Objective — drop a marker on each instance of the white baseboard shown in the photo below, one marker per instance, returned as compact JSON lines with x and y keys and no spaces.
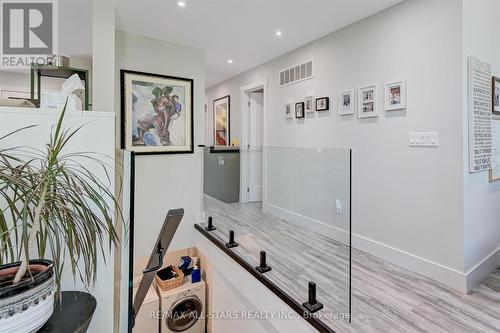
{"x":446,"y":275}
{"x":322,"y":228}
{"x":480,"y":271}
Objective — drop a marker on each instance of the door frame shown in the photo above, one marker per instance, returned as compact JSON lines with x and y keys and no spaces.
{"x":244,"y":170}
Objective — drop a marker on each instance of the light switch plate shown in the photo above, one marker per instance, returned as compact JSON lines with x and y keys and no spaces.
{"x":338,"y":205}
{"x":424,"y":139}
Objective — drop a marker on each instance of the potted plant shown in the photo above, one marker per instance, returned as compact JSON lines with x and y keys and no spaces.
{"x":53,"y":212}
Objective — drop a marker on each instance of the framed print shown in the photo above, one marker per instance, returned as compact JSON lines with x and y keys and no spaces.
{"x":395,"y":96}
{"x":347,"y":102}
{"x":299,"y":110}
{"x":288,"y":111}
{"x":308,"y":101}
{"x":367,"y":100}
{"x":156,"y":113}
{"x":322,"y":104}
{"x":496,"y":96}
{"x":222,"y":112}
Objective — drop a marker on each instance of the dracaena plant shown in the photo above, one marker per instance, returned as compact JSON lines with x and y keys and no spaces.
{"x":53,"y":203}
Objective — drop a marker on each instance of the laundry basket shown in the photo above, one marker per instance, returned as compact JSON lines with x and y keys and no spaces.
{"x":172,"y":283}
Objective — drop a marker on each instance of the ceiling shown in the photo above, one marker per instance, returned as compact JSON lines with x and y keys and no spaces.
{"x":242,"y":30}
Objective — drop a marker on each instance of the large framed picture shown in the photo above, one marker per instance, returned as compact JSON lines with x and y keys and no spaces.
{"x":395,"y":95}
{"x":156,"y":113}
{"x":496,"y":96}
{"x":222,"y":113}
{"x":367,"y":104}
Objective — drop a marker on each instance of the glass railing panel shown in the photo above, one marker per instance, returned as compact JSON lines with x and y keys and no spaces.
{"x":293,"y":203}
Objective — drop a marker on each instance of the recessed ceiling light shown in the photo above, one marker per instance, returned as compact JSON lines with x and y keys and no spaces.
{"x":230,"y":61}
{"x":279,"y":33}
{"x":181,"y":4}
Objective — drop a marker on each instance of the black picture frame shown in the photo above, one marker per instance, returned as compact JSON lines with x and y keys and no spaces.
{"x":299,"y":107}
{"x":188,"y":148}
{"x":495,"y":96}
{"x":327,"y":104}
{"x":228,"y":97}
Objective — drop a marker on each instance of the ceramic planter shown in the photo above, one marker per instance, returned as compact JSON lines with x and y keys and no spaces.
{"x":26,"y":306}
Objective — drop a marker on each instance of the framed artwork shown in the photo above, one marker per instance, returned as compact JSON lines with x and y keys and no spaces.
{"x":347,"y":102}
{"x":395,"y":96}
{"x":309,"y":106}
{"x":156,"y":113}
{"x":299,"y":110}
{"x":222,"y":112}
{"x":288,"y":111}
{"x":496,"y":96}
{"x":322,"y":104}
{"x":367,"y":102}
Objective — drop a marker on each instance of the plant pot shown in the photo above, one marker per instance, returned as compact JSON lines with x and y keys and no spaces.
{"x":26,"y":306}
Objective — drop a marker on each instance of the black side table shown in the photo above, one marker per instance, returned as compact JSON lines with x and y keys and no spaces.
{"x":74,"y":316}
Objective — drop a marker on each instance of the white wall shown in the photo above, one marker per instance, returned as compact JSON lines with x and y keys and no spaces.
{"x":103,"y":54}
{"x":164,"y":182}
{"x":481,"y":198}
{"x":406,"y":201}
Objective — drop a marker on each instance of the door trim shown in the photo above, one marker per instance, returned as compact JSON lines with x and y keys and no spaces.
{"x":244,"y":91}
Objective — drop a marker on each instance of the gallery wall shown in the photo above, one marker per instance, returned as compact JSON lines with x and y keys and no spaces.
{"x":481,"y":198}
{"x":404,"y":199}
{"x":164,"y":182}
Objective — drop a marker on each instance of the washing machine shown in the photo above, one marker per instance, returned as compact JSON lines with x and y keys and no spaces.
{"x":148,"y":318}
{"x":183,"y":308}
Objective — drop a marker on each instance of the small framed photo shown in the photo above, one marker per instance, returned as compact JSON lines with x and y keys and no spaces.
{"x":395,"y":95}
{"x":347,"y":102}
{"x":309,"y":106}
{"x":496,"y":96}
{"x":322,"y":104}
{"x":367,"y":100}
{"x":299,"y":110}
{"x":288,"y":111}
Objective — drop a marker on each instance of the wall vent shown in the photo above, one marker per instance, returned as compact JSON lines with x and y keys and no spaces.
{"x":296,"y":73}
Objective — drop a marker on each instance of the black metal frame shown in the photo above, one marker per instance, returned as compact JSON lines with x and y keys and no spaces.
{"x":123,"y":72}
{"x":131,"y":245}
{"x":228,"y":120}
{"x":60,"y":73}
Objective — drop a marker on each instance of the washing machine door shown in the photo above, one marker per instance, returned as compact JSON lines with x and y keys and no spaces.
{"x":184,"y":314}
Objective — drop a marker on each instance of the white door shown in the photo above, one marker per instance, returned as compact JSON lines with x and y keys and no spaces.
{"x":255,"y":133}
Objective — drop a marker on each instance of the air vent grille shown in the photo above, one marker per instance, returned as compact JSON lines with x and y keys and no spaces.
{"x":297,"y":73}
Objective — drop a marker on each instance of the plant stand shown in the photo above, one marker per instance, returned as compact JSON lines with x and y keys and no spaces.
{"x":75,"y":314}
